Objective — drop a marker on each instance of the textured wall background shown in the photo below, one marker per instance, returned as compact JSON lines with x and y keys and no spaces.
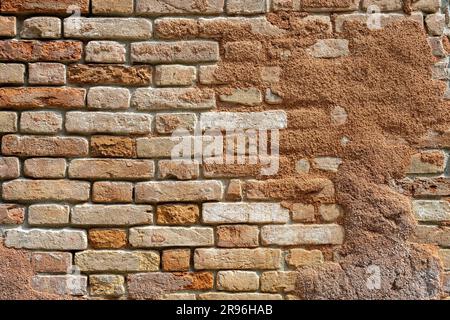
{"x":94,"y":206}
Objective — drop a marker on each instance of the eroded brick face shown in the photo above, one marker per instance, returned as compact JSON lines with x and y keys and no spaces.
{"x":90,"y":109}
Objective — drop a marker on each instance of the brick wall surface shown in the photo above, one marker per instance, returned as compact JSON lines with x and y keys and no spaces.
{"x":91,"y":92}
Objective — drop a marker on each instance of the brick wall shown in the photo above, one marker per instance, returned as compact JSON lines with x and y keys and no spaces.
{"x":91,"y":94}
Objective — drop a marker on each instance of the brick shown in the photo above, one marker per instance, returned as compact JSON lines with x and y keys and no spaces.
{"x":35,"y":146}
{"x":298,"y":234}
{"x":162,"y":7}
{"x":329,"y":48}
{"x":384,"y":19}
{"x":108,"y":28}
{"x":41,"y":27}
{"x":8,"y":122}
{"x":330,"y":212}
{"x":117,"y":261}
{"x":12,"y":73}
{"x":428,"y":6}
{"x":105,"y":52}
{"x":178,"y":296}
{"x":151,"y":237}
{"x":260,"y":258}
{"x":177,"y":214}
{"x":94,"y":74}
{"x":41,"y":122}
{"x":43,"y":190}
{"x":207,"y":75}
{"x":48,"y":215}
{"x":383,"y":5}
{"x":175,"y":52}
{"x":111,"y":215}
{"x":433,"y":235}
{"x":124,"y":169}
{"x":47,"y":73}
{"x":216,"y":213}
{"x":112,"y":7}
{"x":297,"y":258}
{"x":446,"y":282}
{"x":34,"y":98}
{"x":113,"y":147}
{"x":174,"y":98}
{"x":176,"y":28}
{"x":246,"y":7}
{"x":435,"y":24}
{"x":303,"y":212}
{"x":75,"y":285}
{"x":108,"y":98}
{"x":9,"y":168}
{"x":11,"y":214}
{"x":157,"y":147}
{"x":107,"y":238}
{"x":33,"y":50}
{"x":105,"y":285}
{"x":51,"y":262}
{"x":234,"y":191}
{"x":178,"y":169}
{"x":237,"y":281}
{"x":178,"y":191}
{"x":279,"y":281}
{"x":425,"y":187}
{"x":169,"y":122}
{"x":244,"y":120}
{"x":444,"y":254}
{"x":248,"y":97}
{"x":329,"y":5}
{"x":238,"y":296}
{"x":112,"y":192}
{"x":327,"y":163}
{"x":7,"y":26}
{"x":108,"y":122}
{"x":44,"y":6}
{"x":432,"y":161}
{"x":46,"y":239}
{"x":175,"y":75}
{"x":44,"y":168}
{"x":431,"y":210}
{"x":176,"y":260}
{"x":237,"y":236}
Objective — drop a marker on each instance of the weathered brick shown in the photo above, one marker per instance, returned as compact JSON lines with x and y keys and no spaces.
{"x":47,"y":73}
{"x":234,"y":190}
{"x":237,"y":281}
{"x":227,"y":212}
{"x":162,"y":7}
{"x":107,"y":238}
{"x":9,"y":168}
{"x":46,"y":239}
{"x":207,"y":75}
{"x":44,"y":6}
{"x":113,"y":147}
{"x":12,"y":73}
{"x":35,"y":146}
{"x":111,"y":215}
{"x":237,"y":236}
{"x":170,"y":122}
{"x":41,"y":27}
{"x":176,"y":260}
{"x":125,"y":169}
{"x":444,"y":254}
{"x":108,"y":122}
{"x":278,"y":281}
{"x":248,"y":97}
{"x":176,"y":28}
{"x":8,"y":122}
{"x":112,"y":192}
{"x":297,"y":258}
{"x":178,"y":296}
{"x":105,"y":52}
{"x":45,"y":168}
{"x":244,"y":120}
{"x":108,"y":28}
{"x":329,"y":48}
{"x":157,"y":147}
{"x":175,"y":75}
{"x":383,"y":5}
{"x":43,"y":190}
{"x":51,"y":262}
{"x":95,"y":74}
{"x":75,"y":285}
{"x":117,"y":261}
{"x":330,"y":212}
{"x":105,"y":285}
{"x":327,"y":163}
{"x":32,"y":98}
{"x":435,"y":24}
{"x":174,"y":98}
{"x":150,"y":237}
{"x":260,"y":258}
{"x":298,"y":234}
{"x":329,"y":5}
{"x":246,"y":7}
{"x":239,"y":296}
{"x":11,"y":214}
{"x":41,"y":122}
{"x":431,"y":210}
{"x":303,"y":212}
{"x":384,"y":19}
{"x":175,"y":52}
{"x":178,"y":169}
{"x":7,"y":26}
{"x":33,"y":50}
{"x":108,"y":98}
{"x":48,"y":215}
{"x":112,"y":7}
{"x":425,"y":187}
{"x":446,"y":282}
{"x":177,"y":214}
{"x":244,"y":51}
{"x":428,"y":6}
{"x":178,"y":191}
{"x":433,"y":235}
{"x":433,"y":161}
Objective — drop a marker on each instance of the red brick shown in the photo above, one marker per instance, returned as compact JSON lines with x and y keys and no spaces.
{"x":51,"y":262}
{"x":110,"y":74}
{"x":32,"y":51}
{"x":43,"y":6}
